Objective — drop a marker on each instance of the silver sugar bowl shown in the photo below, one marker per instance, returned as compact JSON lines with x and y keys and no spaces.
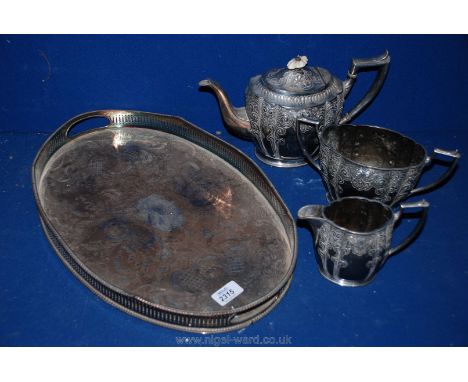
{"x":277,"y":98}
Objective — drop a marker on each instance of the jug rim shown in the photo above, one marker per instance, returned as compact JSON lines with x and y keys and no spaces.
{"x":419,"y":164}
{"x":383,"y":226}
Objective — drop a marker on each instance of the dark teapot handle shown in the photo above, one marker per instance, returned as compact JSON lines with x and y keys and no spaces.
{"x":417,"y":229}
{"x":455,"y":155}
{"x":311,"y":157}
{"x":380,"y":64}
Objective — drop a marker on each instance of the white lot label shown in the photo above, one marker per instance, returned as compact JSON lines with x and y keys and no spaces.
{"x":227,"y":293}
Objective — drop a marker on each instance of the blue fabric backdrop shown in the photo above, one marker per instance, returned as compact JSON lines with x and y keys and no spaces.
{"x":419,"y":298}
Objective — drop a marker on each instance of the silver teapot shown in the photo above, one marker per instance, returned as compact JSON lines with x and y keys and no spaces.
{"x":274,"y":100}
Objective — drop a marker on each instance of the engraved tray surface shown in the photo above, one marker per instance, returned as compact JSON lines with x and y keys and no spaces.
{"x":155,"y":215}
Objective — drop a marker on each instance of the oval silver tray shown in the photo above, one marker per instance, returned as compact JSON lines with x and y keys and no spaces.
{"x":155,"y":215}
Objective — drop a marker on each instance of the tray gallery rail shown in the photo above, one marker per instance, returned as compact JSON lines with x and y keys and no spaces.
{"x":165,"y":221}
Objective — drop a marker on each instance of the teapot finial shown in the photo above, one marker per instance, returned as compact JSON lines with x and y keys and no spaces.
{"x":297,"y":62}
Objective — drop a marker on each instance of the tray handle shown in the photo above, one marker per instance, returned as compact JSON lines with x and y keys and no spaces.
{"x":251,"y":314}
{"x":64,"y":130}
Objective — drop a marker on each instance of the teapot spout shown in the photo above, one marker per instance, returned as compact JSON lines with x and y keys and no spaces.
{"x":235,"y":118}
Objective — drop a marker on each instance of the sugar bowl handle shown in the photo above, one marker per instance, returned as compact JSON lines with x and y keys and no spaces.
{"x":417,"y":229}
{"x":300,"y":130}
{"x":380,"y":64}
{"x":455,"y":155}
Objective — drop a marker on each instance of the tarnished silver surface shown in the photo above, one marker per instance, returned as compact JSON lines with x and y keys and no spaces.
{"x":373,"y":162}
{"x":146,"y":210}
{"x":276,"y":99}
{"x":353,"y":237}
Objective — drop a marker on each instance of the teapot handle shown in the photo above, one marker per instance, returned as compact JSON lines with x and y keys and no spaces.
{"x":380,"y":64}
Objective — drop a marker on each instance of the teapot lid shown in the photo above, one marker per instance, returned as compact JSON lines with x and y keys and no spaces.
{"x":297,"y":78}
{"x":297,"y":85}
